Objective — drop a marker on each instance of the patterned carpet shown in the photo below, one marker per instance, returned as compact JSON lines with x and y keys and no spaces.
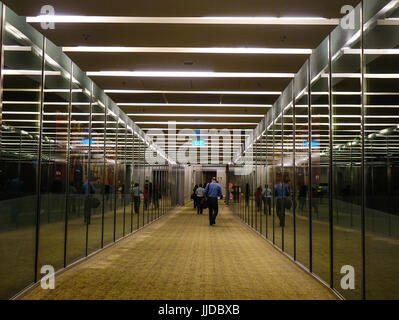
{"x":181,"y":257}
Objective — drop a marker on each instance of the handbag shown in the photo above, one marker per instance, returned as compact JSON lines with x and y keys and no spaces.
{"x":287,"y":203}
{"x":94,"y":203}
{"x":204,"y":203}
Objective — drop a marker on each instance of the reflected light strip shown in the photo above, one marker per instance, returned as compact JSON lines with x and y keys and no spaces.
{"x":199,"y":123}
{"x":372,"y":51}
{"x":9,"y":72}
{"x":194,"y":135}
{"x":204,"y":130}
{"x":194,"y":105}
{"x":194,"y":92}
{"x":185,"y":20}
{"x":210,"y":50}
{"x":188,"y":74}
{"x":195,"y":115}
{"x":17,"y":48}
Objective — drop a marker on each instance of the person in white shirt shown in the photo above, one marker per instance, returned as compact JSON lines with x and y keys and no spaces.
{"x":267,"y":199}
{"x":200,"y":194}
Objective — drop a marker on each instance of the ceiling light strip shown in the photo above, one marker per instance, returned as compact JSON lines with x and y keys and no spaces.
{"x":210,"y":50}
{"x":265,"y":93}
{"x":185,"y":20}
{"x":188,"y":74}
{"x":133,"y":104}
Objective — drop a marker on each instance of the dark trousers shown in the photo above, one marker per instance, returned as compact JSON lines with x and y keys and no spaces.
{"x":213,"y":209}
{"x":87,"y":210}
{"x":267,"y":203}
{"x":200,"y":208}
{"x":280,"y":208}
{"x":136,"y":201}
{"x":195,"y":201}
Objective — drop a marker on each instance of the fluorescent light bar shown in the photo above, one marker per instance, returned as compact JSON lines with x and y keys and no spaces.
{"x":9,"y":72}
{"x":185,"y":20}
{"x":188,"y":74}
{"x":132,"y":104}
{"x":265,"y":93}
{"x":199,"y":123}
{"x":195,"y":115}
{"x":17,"y":48}
{"x":188,"y":50}
{"x":372,"y":51}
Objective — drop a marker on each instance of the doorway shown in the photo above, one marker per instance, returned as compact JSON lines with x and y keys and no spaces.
{"x":207,"y":176}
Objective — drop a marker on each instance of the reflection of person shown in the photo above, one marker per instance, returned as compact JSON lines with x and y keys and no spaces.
{"x":200,"y":194}
{"x":315,"y":201}
{"x":72,"y":198}
{"x":281,"y":195}
{"x":213,"y":191}
{"x":156,"y":196}
{"x":303,"y":191}
{"x":88,"y":189}
{"x":136,"y":192}
{"x":15,"y":188}
{"x":267,"y":199}
{"x":194,"y":196}
{"x":258,"y":199}
{"x":247,"y":194}
{"x":146,"y":195}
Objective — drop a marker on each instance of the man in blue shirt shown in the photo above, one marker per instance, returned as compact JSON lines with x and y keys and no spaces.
{"x":213,"y":191}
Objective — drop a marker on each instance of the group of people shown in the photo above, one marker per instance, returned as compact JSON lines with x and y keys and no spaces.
{"x":206,"y":196}
{"x":263,"y":195}
{"x":150,"y":193}
{"x":281,"y":193}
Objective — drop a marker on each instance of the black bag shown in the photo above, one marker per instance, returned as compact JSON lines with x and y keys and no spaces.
{"x":287,"y":203}
{"x":94,"y":203}
{"x":204,"y":203}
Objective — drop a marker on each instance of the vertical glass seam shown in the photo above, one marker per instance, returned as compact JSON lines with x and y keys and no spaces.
{"x":39,"y":159}
{"x":68,"y":160}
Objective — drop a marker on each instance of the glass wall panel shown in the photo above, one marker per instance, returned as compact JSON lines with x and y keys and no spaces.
{"x":320,"y":152}
{"x":79,"y":150}
{"x":110,"y":175}
{"x":347,"y":159}
{"x":270,"y":163}
{"x":53,"y":184}
{"x":129,"y":182}
{"x":279,"y":212}
{"x":97,"y":165}
{"x":120,"y":180}
{"x":136,"y":193}
{"x":288,"y":211}
{"x":381,"y":136}
{"x":19,"y":143}
{"x":301,"y":94}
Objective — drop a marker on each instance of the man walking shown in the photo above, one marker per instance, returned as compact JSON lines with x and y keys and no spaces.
{"x":213,"y":191}
{"x":136,"y":192}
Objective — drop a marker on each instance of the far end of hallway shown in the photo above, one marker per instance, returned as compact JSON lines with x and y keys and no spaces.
{"x":180,"y":257}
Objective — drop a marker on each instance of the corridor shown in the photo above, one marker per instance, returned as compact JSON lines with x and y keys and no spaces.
{"x":180,"y":257}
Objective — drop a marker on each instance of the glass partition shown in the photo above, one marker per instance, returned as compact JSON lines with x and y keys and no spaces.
{"x":381,"y":152}
{"x":20,"y":144}
{"x":302,"y":172}
{"x":346,"y":182}
{"x":79,"y":151}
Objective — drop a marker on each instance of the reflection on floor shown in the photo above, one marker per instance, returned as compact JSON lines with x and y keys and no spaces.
{"x":381,"y":251}
{"x":182,"y":257}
